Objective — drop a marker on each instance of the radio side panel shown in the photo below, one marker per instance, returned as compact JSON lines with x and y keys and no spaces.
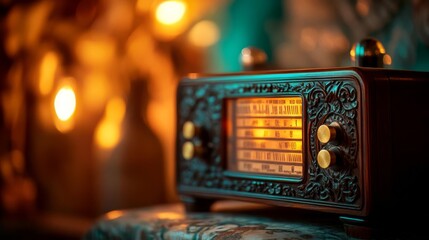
{"x":399,"y":143}
{"x":331,"y":96}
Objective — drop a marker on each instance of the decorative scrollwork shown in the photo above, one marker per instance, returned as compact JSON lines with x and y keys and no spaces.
{"x":326,"y":101}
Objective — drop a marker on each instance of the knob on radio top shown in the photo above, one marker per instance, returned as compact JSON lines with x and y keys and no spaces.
{"x":369,"y":52}
{"x":253,"y":58}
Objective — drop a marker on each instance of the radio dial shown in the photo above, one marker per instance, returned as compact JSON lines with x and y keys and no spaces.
{"x":326,"y":158}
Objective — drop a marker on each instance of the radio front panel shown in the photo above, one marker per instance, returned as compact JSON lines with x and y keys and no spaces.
{"x":292,"y":139}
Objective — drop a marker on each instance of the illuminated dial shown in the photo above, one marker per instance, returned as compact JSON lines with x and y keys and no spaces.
{"x":265,"y":135}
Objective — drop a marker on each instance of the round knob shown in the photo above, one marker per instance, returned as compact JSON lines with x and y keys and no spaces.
{"x":369,"y":52}
{"x":189,"y":130}
{"x":326,"y":133}
{"x":188,"y":150}
{"x":326,"y":158}
{"x":253,"y":58}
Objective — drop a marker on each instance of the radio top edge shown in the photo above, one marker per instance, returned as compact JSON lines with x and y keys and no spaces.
{"x":368,"y":54}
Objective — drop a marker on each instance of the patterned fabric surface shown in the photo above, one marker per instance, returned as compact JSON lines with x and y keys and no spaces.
{"x":171,"y":222}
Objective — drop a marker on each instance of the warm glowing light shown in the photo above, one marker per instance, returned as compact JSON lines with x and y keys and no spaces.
{"x":380,"y":48}
{"x":387,"y":60}
{"x":169,"y":215}
{"x":65,"y":103}
{"x":108,"y":131}
{"x":119,"y":17}
{"x":48,"y":68}
{"x":170,"y":19}
{"x":95,"y":89}
{"x":143,"y":6}
{"x":115,"y":109}
{"x":107,"y":134}
{"x":170,"y":12}
{"x":264,"y":144}
{"x":95,"y":49}
{"x":141,"y":43}
{"x":204,"y":34}
{"x":269,"y":133}
{"x":114,"y":214}
{"x":268,"y":122}
{"x":25,"y":25}
{"x":353,"y":53}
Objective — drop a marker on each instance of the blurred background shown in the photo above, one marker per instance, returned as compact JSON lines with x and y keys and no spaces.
{"x":87,"y":89}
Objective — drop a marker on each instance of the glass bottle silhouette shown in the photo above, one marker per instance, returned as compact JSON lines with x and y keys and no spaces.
{"x":137,"y":167}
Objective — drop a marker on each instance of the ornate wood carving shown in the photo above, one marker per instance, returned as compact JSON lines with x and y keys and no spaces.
{"x":326,"y":101}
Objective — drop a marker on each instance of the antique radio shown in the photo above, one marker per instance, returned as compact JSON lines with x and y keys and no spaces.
{"x":350,"y":141}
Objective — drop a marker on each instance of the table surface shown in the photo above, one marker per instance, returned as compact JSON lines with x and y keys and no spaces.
{"x":227,"y":220}
{"x":236,"y":220}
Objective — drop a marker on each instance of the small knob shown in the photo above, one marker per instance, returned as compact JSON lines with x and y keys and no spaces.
{"x":253,"y":58}
{"x":189,"y":129}
{"x":188,"y":150}
{"x":191,"y":150}
{"x":326,"y":158}
{"x":369,"y":52}
{"x":328,"y":133}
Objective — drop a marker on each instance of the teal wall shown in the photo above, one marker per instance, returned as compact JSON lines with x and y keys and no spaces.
{"x":400,"y":25}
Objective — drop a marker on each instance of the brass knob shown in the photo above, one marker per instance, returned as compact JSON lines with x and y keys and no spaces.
{"x":253,"y":58}
{"x":326,"y":158}
{"x":188,"y":150}
{"x":188,"y":130}
{"x":327,"y":133}
{"x":369,"y":52}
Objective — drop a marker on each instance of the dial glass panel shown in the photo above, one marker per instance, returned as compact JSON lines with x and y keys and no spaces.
{"x":265,"y":136}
